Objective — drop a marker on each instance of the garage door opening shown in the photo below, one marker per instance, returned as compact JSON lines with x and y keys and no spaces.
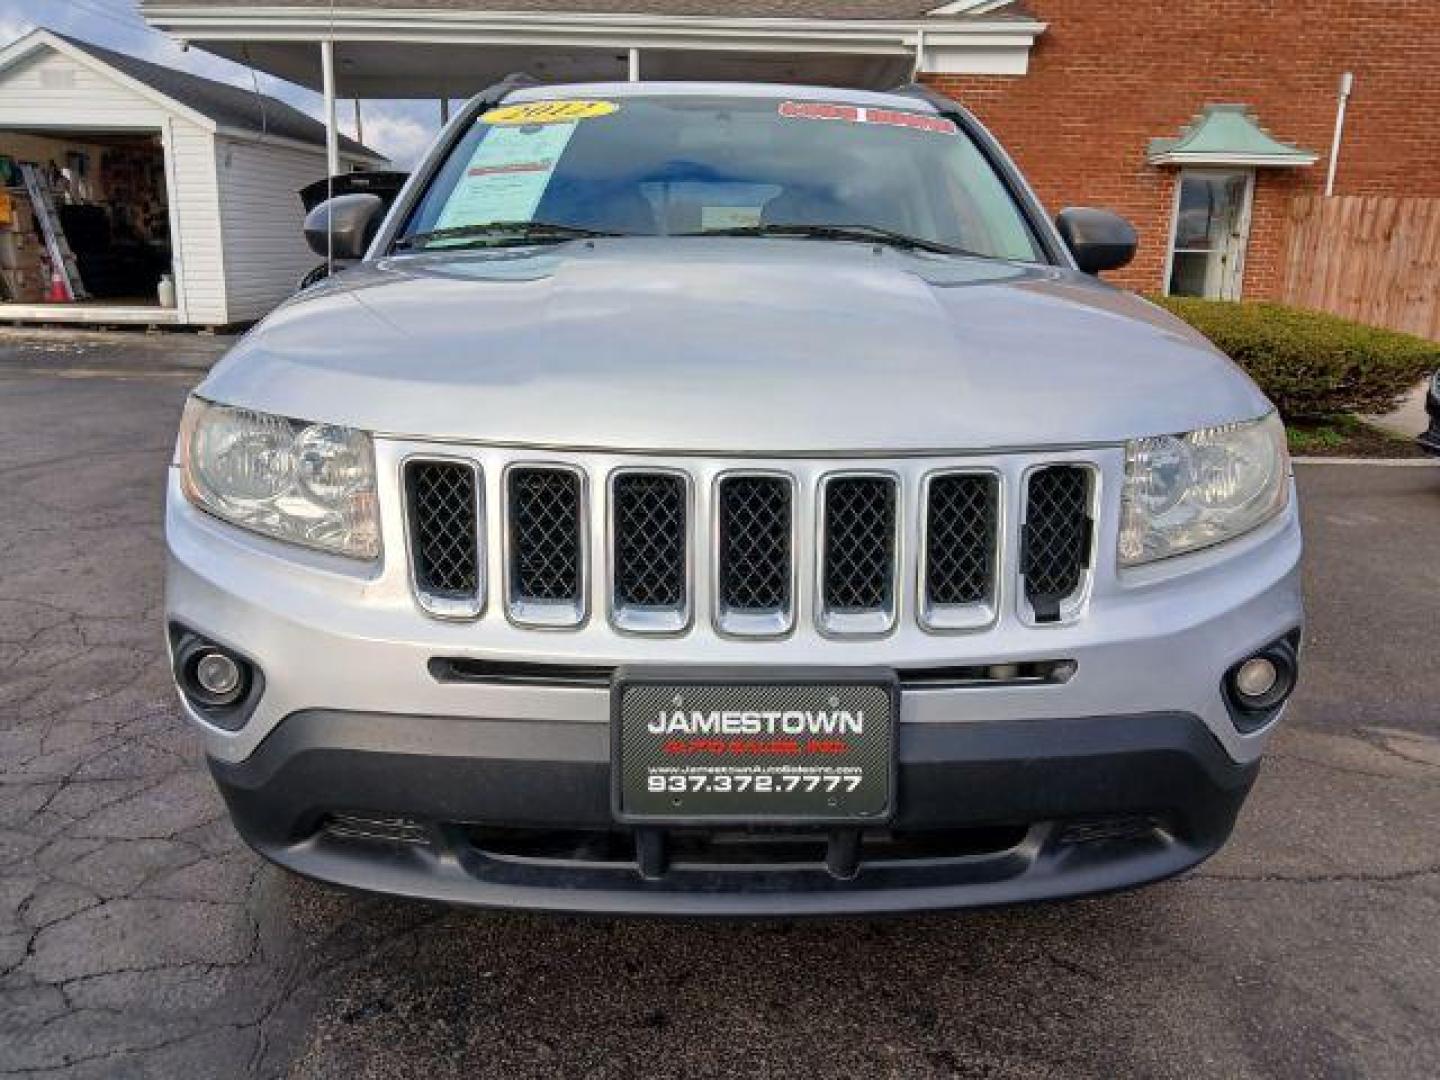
{"x":85,"y":224}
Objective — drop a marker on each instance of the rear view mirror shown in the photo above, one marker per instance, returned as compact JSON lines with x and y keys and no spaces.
{"x":343,"y":227}
{"x":1098,"y":239}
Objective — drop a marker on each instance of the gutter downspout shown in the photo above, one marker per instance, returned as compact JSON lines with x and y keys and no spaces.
{"x":919,"y":55}
{"x":1347,"y":87}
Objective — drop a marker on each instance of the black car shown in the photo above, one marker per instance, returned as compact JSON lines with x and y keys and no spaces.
{"x":1430,"y":441}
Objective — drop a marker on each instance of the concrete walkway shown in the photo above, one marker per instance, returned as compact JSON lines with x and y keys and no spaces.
{"x":1409,"y":419}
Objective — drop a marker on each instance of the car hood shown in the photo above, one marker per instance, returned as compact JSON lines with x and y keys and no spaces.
{"x":742,"y":346}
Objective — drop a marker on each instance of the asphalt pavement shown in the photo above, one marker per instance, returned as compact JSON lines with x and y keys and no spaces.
{"x":138,"y":937}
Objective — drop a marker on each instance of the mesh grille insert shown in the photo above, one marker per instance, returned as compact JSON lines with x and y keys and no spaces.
{"x":650,"y":540}
{"x":859,"y":544}
{"x":444,"y":524}
{"x":755,"y":543}
{"x":1056,"y":537}
{"x":545,"y":535}
{"x":960,"y":537}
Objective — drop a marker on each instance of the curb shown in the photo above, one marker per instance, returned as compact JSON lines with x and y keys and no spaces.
{"x":1384,"y":463}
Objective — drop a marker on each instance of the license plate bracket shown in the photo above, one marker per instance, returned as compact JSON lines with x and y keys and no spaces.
{"x":721,"y":746}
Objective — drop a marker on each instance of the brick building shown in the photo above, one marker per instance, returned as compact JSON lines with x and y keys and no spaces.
{"x":1103,"y":102}
{"x":1108,"y":76}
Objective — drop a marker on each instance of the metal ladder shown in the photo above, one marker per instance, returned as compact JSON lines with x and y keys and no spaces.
{"x":62,"y":259}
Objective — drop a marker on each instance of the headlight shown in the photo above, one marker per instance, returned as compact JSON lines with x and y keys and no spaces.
{"x":1184,"y":492}
{"x":311,"y":484}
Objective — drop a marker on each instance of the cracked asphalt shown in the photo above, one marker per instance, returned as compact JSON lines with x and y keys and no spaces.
{"x":138,"y":937}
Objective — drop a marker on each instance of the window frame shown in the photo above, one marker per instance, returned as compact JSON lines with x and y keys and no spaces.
{"x":1246,"y":211}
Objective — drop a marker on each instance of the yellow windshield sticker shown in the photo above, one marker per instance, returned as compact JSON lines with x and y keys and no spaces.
{"x":549,"y":112}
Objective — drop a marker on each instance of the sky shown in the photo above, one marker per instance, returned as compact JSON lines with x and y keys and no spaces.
{"x":398,"y":129}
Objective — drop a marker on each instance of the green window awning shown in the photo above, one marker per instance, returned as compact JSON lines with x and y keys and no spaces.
{"x":1228,"y":135}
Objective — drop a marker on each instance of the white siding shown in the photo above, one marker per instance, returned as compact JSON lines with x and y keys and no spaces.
{"x":261,"y":218}
{"x":202,"y":267}
{"x":50,"y":89}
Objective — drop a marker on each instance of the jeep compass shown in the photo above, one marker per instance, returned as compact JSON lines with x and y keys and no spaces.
{"x":713,"y":499}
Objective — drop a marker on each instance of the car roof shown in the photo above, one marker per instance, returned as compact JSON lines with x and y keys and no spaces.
{"x":721,"y":89}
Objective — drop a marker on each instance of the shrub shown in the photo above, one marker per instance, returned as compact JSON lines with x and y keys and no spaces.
{"x":1312,"y":364}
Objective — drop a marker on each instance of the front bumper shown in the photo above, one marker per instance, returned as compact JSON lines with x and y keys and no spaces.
{"x":360,"y":765}
{"x":989,"y":813}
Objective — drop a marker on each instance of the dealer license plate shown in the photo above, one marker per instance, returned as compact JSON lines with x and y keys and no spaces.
{"x":788,"y":749}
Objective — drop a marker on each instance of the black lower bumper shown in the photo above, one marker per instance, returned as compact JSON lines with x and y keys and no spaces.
{"x":517,"y":814}
{"x":1430,"y":438}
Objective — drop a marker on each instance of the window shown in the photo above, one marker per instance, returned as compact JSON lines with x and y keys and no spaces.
{"x":683,"y":164}
{"x":1210,"y":231}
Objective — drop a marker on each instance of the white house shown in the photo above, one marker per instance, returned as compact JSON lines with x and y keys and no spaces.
{"x":152,"y":172}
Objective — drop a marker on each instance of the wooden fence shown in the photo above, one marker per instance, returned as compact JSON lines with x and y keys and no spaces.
{"x":1372,"y":258}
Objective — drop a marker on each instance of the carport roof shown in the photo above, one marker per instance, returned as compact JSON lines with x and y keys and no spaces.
{"x":758,"y":9}
{"x":231,"y":107}
{"x":454,"y":48}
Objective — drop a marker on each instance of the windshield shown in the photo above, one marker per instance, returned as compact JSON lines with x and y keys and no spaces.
{"x":688,"y":165}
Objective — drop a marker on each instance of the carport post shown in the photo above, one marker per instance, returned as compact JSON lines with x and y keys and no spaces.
{"x":634,"y":65}
{"x":332,"y":133}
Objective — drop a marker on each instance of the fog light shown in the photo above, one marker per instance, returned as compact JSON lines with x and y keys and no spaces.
{"x":212,"y":677}
{"x":1256,"y":677}
{"x":221,"y":684}
{"x":1257,"y":686}
{"x":217,"y":674}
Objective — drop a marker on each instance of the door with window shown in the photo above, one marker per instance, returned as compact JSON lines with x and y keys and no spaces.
{"x":1211,"y":229}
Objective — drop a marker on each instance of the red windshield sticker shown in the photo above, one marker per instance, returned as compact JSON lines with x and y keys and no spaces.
{"x":859,"y":114}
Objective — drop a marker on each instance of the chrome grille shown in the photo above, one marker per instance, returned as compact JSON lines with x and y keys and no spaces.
{"x":444,"y":520}
{"x":650,"y":548}
{"x":1055,"y":538}
{"x":859,"y":553}
{"x":715,"y":540}
{"x":546,"y":544}
{"x":962,"y":520}
{"x":755,"y":551}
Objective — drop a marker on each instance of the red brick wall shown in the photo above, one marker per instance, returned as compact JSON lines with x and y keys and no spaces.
{"x":1107,"y":76}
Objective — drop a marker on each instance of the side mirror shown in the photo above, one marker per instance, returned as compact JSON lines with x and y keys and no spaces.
{"x":344,"y":226}
{"x":1098,"y":239}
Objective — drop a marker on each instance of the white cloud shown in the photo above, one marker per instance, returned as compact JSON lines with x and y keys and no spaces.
{"x":12,"y":27}
{"x":399,"y":137}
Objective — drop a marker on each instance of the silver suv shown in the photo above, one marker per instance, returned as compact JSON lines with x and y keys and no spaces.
{"x":727,"y":499}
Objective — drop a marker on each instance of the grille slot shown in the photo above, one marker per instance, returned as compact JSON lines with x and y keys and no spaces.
{"x":546,"y":545}
{"x":650,"y":550}
{"x":443,"y":504}
{"x":755,"y":553}
{"x":962,"y":526}
{"x":1056,"y":537}
{"x":859,"y":554}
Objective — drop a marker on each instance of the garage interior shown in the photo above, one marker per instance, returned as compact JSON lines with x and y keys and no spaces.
{"x":103,"y":239}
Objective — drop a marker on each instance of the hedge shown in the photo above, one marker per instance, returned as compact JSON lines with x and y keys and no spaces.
{"x":1312,"y":364}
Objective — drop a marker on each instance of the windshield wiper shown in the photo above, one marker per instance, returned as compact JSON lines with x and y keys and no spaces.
{"x":521,"y":232}
{"x":870,"y":233}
